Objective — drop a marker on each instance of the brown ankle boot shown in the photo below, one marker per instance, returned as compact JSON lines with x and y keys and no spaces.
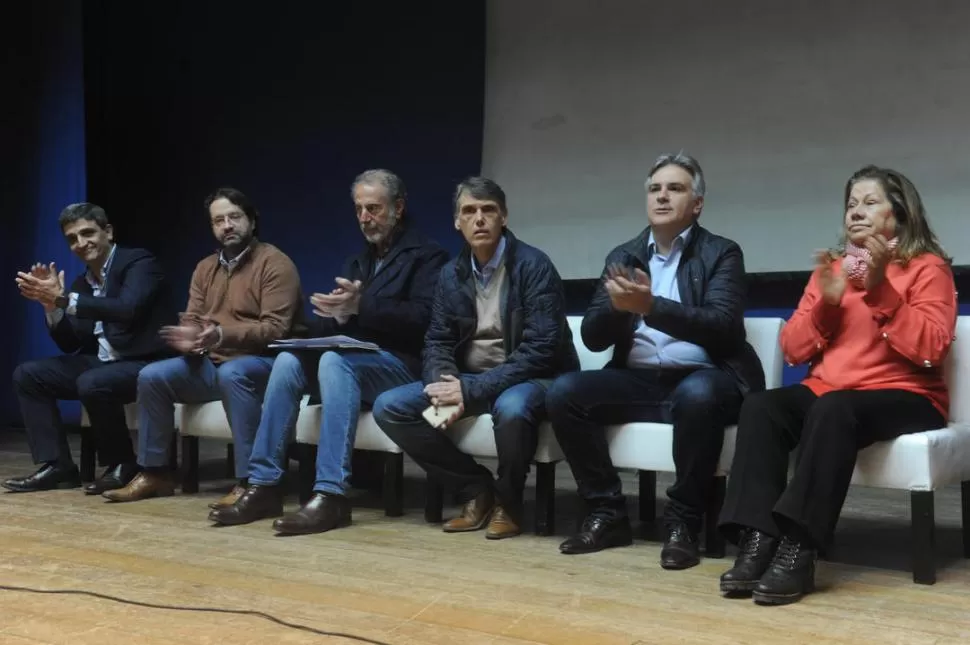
{"x":474,"y":514}
{"x":144,"y":486}
{"x":256,"y":503}
{"x":502,"y":525}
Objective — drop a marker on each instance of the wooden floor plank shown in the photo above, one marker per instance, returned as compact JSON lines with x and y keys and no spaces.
{"x":402,"y":581}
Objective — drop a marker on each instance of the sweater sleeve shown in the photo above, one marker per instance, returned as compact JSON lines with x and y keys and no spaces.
{"x":810,"y":329}
{"x":195,"y":309}
{"x":919,"y":324}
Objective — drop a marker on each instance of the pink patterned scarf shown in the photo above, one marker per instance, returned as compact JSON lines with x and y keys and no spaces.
{"x":856,"y":262}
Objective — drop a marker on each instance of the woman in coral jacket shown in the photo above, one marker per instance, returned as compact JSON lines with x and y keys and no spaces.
{"x":875,"y":324}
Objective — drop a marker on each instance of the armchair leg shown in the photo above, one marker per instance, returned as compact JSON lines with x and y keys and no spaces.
{"x":965,"y":512}
{"x":190,"y":464}
{"x":306,"y":458}
{"x":230,"y":461}
{"x":545,"y":498}
{"x":89,"y":454}
{"x":173,"y":452}
{"x":713,"y":541}
{"x":924,"y":528}
{"x":393,"y":484}
{"x":434,"y":502}
{"x":647,"y":485}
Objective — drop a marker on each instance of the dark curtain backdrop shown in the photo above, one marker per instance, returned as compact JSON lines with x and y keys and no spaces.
{"x":146,"y":107}
{"x":286,"y":101}
{"x":42,"y":150}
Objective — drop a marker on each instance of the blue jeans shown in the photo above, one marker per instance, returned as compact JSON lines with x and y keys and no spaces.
{"x":238,"y":383}
{"x":346,"y":380}
{"x":516,"y":415}
{"x":699,"y":404}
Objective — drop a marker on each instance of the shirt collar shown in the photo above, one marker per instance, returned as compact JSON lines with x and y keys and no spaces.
{"x":97,"y":281}
{"x":492,"y":264}
{"x":231,"y":264}
{"x":679,"y":242}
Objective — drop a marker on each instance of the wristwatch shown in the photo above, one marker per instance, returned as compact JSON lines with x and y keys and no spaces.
{"x":61,"y":302}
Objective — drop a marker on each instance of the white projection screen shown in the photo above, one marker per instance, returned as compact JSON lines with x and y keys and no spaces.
{"x":779,"y":101}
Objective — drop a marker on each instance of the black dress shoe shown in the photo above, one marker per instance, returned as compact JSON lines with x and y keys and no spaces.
{"x":257,"y":503}
{"x":48,"y":477}
{"x":681,"y":549}
{"x":756,"y":551}
{"x":790,"y":575}
{"x":113,"y":478}
{"x":598,"y":533}
{"x":324,"y":512}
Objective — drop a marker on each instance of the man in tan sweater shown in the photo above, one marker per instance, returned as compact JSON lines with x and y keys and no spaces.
{"x":241,"y":299}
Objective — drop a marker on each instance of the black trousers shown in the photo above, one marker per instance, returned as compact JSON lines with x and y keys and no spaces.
{"x":829,"y":431}
{"x":102,"y":388}
{"x":699,"y":403}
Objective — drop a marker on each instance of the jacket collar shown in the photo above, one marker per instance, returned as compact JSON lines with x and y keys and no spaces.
{"x":641,"y":248}
{"x":403,"y":237}
{"x":679,"y":243}
{"x":99,"y":281}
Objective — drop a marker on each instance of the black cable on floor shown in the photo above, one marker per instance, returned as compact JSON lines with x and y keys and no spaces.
{"x":215,"y":610}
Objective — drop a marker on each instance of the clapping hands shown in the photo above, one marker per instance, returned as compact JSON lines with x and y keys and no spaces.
{"x":629,"y":290}
{"x":831,"y":284}
{"x":341,"y":303}
{"x":42,"y":283}
{"x":192,"y":337}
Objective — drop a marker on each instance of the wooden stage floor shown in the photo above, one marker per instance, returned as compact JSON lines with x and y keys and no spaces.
{"x":401,"y":581}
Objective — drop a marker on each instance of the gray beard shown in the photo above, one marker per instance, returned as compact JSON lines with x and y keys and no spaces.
{"x":379,"y":238}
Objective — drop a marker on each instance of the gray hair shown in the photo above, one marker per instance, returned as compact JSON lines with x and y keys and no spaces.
{"x":393,"y":185}
{"x":688,"y":163}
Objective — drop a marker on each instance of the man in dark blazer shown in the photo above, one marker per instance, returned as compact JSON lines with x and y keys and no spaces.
{"x":384,"y":297}
{"x":107,"y":325}
{"x":671,"y":305}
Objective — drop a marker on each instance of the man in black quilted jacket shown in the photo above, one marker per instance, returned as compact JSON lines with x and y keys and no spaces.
{"x":671,"y":304}
{"x":497,"y":338}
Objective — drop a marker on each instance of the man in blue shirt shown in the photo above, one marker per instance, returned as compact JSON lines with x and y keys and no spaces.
{"x":107,"y":325}
{"x":498,"y":336}
{"x":671,"y":304}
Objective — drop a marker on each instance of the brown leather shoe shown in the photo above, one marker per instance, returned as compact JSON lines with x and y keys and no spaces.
{"x":501,"y":525}
{"x":229,"y":499}
{"x":113,"y":478}
{"x":474,"y":514}
{"x":256,"y":503}
{"x":324,"y":512}
{"x":143,"y":486}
